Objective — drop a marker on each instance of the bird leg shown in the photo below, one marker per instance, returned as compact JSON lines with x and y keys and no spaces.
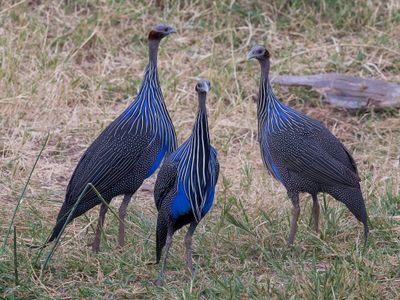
{"x":315,"y":212}
{"x":164,"y":260}
{"x":188,"y":244}
{"x":99,"y":229}
{"x":295,"y":217}
{"x":122,"y":215}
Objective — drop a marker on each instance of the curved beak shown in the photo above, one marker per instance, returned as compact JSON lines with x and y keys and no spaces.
{"x":250,"y":55}
{"x":172,"y":30}
{"x":205,"y":89}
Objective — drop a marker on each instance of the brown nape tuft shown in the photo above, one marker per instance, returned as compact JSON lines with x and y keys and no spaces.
{"x":155,"y":35}
{"x":266,"y":54}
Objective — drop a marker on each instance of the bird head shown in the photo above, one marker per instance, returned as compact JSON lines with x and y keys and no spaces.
{"x":161,"y":31}
{"x":258,"y":52}
{"x":203,"y":86}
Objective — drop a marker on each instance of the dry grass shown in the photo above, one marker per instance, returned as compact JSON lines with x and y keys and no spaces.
{"x":70,"y":67}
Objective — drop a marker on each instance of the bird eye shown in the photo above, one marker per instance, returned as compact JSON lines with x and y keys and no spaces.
{"x":259,"y":52}
{"x":166,"y":29}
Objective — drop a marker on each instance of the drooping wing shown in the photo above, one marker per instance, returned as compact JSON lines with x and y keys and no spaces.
{"x":306,"y":157}
{"x":335,"y":148}
{"x":105,"y":164}
{"x":165,"y":182}
{"x":351,"y":159}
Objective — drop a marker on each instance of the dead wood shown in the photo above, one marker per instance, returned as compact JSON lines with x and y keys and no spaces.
{"x":347,"y":91}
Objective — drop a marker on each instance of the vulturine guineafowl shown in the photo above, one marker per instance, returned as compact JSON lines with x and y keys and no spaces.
{"x":185,"y":185}
{"x":128,"y":151}
{"x":303,"y":154}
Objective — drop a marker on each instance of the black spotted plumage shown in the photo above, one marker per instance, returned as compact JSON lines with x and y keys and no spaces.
{"x":185,"y":186}
{"x":126,"y":152}
{"x":303,"y":154}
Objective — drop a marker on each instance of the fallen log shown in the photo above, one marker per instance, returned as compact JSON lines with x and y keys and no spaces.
{"x":347,"y":91}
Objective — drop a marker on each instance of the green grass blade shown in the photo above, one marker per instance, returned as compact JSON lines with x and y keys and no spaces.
{"x":23,"y":194}
{"x":104,"y":201}
{"x":15,"y":258}
{"x":56,"y":242}
{"x":50,"y":255}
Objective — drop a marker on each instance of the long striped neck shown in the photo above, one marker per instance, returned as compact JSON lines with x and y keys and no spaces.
{"x":200,"y":144}
{"x":200,"y":158}
{"x":148,"y":112}
{"x":194,"y":161}
{"x":153,"y":51}
{"x":150,"y":83}
{"x":151,"y":73}
{"x":272,"y":114}
{"x":265,"y":92}
{"x":200,"y":135}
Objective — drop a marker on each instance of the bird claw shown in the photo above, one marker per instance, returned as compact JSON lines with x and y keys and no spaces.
{"x":193,"y":273}
{"x":157,"y":282}
{"x":95,"y":248}
{"x":152,"y":263}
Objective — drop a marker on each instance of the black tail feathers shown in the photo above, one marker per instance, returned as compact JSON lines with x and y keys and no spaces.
{"x":161,"y":236}
{"x":61,"y":220}
{"x":353,"y":199}
{"x":56,"y":230}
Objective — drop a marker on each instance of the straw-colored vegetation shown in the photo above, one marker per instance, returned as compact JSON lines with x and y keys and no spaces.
{"x":69,"y":67}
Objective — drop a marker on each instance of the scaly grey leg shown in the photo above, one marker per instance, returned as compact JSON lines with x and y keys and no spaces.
{"x":188,"y":244}
{"x":99,"y":229}
{"x":295,"y":217}
{"x":315,"y":212}
{"x":122,"y":215}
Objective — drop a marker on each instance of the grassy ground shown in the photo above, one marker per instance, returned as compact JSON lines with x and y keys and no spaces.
{"x":70,"y":67}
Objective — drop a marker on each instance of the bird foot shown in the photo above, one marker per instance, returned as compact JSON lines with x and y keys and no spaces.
{"x":157,"y":282}
{"x":290,"y":244}
{"x":152,"y":263}
{"x":95,"y":247}
{"x":192,"y":274}
{"x":120,"y":248}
